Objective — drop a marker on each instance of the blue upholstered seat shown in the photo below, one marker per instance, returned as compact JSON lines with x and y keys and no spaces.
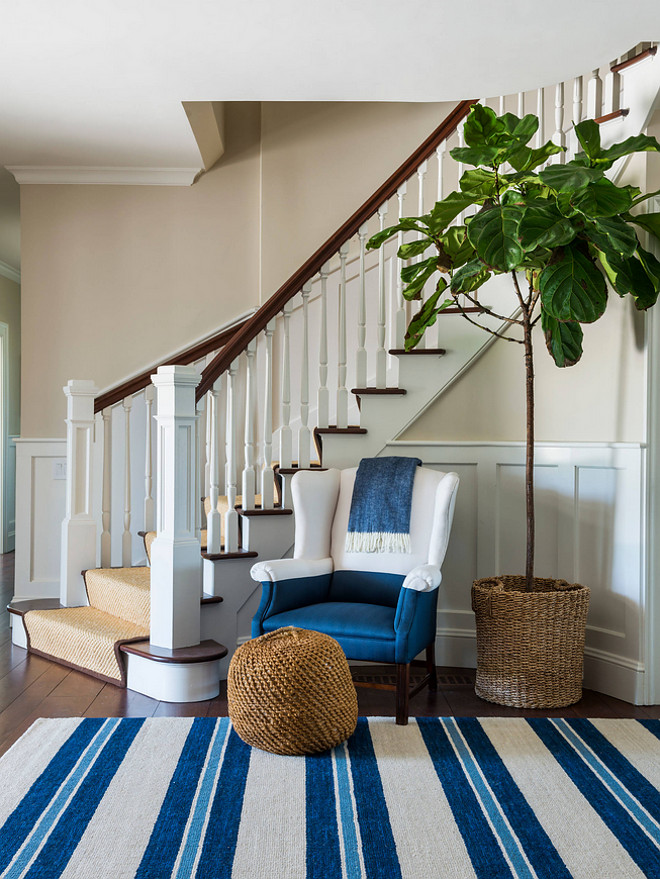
{"x":380,"y":607}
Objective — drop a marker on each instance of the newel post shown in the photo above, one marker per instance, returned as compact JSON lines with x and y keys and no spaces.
{"x":176,"y":562}
{"x":79,"y":526}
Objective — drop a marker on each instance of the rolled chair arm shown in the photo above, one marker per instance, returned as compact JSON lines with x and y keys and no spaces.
{"x":289,"y":584}
{"x":290,"y":569}
{"x":423,"y":578}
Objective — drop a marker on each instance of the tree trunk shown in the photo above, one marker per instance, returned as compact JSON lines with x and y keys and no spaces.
{"x":529,"y":457}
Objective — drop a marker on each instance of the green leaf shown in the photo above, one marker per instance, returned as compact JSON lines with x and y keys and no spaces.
{"x":563,"y":339}
{"x":569,"y":177}
{"x":522,"y":130}
{"x":588,"y":133}
{"x":481,"y":126}
{"x":413,"y":248}
{"x":648,"y":222}
{"x":409,"y":273}
{"x":526,"y":159}
{"x":479,"y":184}
{"x":651,"y":266}
{"x":544,"y":226}
{"x":414,"y":288}
{"x":494,"y":234}
{"x":602,"y":199}
{"x":456,"y":244}
{"x":572,"y":287}
{"x":639,"y":143}
{"x":447,"y":209}
{"x":630,"y":276}
{"x":470,"y":277}
{"x":426,"y":316}
{"x":612,"y":234}
{"x":479,"y":155}
{"x":645,"y":197}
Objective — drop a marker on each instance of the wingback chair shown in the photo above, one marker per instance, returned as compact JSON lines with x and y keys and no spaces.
{"x":380,"y":607}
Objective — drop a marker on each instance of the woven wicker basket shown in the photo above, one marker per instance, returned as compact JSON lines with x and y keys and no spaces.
{"x":291,"y":692}
{"x":530,"y":645}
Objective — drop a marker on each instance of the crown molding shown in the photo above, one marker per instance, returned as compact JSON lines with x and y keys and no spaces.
{"x":105,"y":176}
{"x":10,"y":272}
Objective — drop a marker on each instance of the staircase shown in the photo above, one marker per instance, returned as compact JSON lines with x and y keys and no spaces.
{"x":317,"y":377}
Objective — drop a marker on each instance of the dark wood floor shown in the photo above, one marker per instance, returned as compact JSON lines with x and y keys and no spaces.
{"x":31,"y":687}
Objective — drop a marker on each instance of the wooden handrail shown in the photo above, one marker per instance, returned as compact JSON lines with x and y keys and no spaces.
{"x":190,"y":355}
{"x":254,"y":325}
{"x":647,"y":53}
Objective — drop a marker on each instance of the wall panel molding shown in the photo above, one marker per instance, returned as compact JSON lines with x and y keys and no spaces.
{"x":590,"y":529}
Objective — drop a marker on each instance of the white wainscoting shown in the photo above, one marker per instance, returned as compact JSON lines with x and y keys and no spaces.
{"x":590,"y":528}
{"x":40,"y":507}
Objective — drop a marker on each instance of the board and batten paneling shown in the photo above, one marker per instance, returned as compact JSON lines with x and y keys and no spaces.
{"x":589,"y":529}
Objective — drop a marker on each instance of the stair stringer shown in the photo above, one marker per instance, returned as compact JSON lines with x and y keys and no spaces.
{"x":229,"y":623}
{"x":425,"y":377}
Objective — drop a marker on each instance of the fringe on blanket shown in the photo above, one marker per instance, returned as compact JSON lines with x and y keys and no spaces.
{"x":377,"y":541}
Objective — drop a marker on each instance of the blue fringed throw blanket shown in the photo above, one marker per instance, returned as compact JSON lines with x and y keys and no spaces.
{"x":380,"y":507}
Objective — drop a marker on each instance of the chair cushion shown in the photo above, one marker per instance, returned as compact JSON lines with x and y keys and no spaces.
{"x":364,"y":631}
{"x":366,"y":587}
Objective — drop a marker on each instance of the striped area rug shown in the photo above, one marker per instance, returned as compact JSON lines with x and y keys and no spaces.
{"x":182,"y":797}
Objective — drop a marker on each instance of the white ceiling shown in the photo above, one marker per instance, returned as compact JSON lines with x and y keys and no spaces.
{"x":101,"y":83}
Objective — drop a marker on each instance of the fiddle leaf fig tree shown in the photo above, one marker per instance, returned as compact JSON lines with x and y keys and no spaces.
{"x":565,"y":233}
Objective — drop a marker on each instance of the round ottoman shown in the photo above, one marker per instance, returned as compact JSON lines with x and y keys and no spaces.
{"x":290,"y":692}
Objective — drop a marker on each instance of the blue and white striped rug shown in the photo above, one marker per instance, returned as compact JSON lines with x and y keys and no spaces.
{"x":177,"y":797}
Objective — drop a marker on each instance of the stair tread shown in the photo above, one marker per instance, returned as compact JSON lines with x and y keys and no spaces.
{"x":205,"y":651}
{"x":122,"y":592}
{"x":20,"y":606}
{"x":332,"y":428}
{"x":289,"y":471}
{"x":400,"y":351}
{"x":277,"y":511}
{"x":380,"y":391}
{"x":239,"y":554}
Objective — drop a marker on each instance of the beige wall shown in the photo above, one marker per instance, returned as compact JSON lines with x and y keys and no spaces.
{"x":321,"y":161}
{"x":10,"y":314}
{"x":116,"y":278}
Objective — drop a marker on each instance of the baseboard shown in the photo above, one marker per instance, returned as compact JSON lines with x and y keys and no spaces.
{"x":614,"y":675}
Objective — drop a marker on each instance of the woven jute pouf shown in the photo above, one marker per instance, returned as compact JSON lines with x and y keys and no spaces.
{"x":291,"y":692}
{"x":530,"y":644}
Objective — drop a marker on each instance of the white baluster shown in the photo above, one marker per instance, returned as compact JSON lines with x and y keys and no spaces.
{"x":126,"y":538}
{"x":440,"y":153}
{"x":361,"y":356}
{"x":342,"y":390}
{"x":213,"y":524}
{"x":200,"y":467}
{"x":595,"y":95}
{"x":149,"y":392}
{"x":421,"y":174}
{"x":500,"y":111}
{"x":176,"y":563}
{"x":267,"y":479}
{"x":401,"y":317}
{"x":106,"y":501}
{"x":521,"y":104}
{"x":559,"y":137}
{"x":461,"y":142}
{"x":381,"y":354}
{"x":440,"y":156}
{"x":286,"y":446}
{"x":231,"y":516}
{"x":612,"y":101}
{"x":249,"y":475}
{"x":78,"y":547}
{"x":540,"y":112}
{"x":323,"y":396}
{"x":574,"y":144}
{"x":304,"y":435}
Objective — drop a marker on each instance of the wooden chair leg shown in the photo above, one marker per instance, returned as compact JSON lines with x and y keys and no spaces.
{"x":402,"y":693}
{"x":431,"y":669}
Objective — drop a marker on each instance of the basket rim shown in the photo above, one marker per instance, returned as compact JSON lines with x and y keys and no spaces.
{"x":498,"y":585}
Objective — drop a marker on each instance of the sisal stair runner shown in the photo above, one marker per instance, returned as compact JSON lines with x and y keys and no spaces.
{"x":89,"y":638}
